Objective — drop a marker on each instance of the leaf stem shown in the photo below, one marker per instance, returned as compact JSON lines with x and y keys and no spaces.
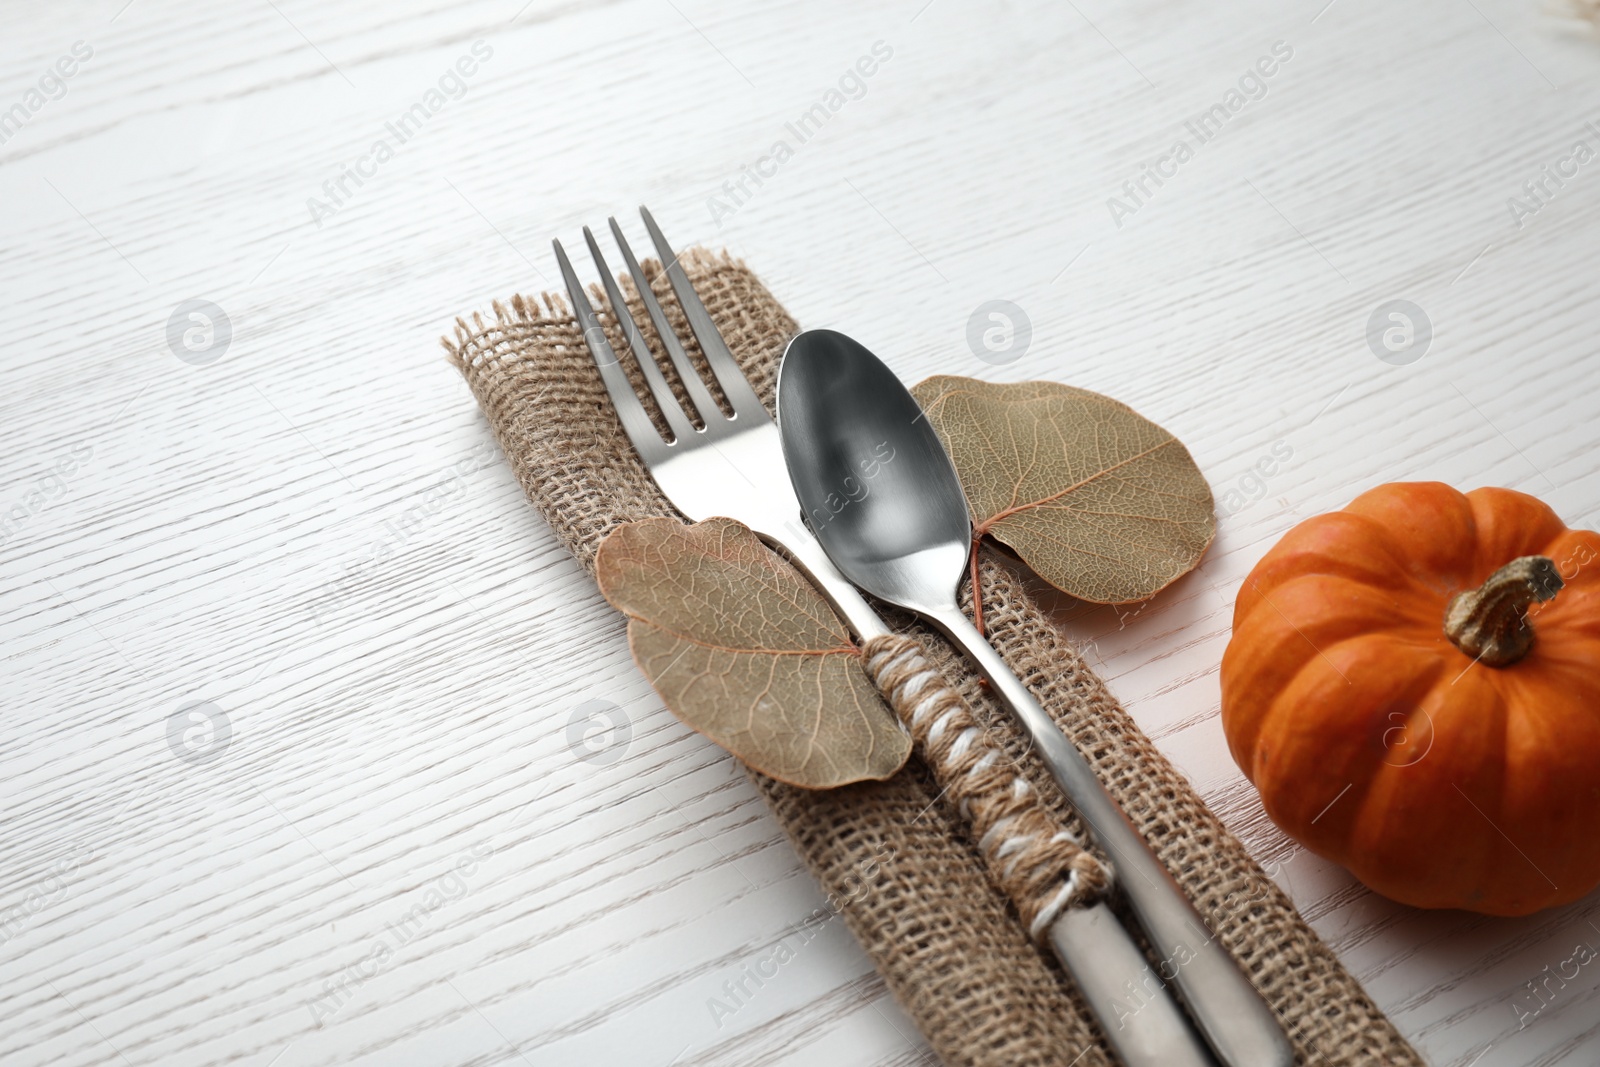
{"x":977,"y":589}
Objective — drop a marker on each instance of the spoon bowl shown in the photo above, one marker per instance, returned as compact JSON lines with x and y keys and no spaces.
{"x":852,"y":432}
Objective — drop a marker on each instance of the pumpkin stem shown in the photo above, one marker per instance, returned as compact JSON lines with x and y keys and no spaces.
{"x":1490,"y":623}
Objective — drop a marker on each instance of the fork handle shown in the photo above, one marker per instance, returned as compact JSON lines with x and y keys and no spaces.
{"x":1226,"y":1008}
{"x":807,"y":553}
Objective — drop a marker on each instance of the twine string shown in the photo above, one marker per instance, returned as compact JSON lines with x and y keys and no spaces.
{"x":1039,"y":864}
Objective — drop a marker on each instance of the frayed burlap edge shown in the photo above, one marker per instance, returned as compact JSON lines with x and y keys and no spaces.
{"x":947,"y":945}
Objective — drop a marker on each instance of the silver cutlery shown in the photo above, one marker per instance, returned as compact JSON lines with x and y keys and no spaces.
{"x":733,"y":466}
{"x":907,"y":541}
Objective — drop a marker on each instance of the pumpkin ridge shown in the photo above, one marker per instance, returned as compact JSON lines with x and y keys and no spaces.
{"x":1428,"y":523}
{"x":1362,"y":604}
{"x":1352,"y":746}
{"x":1317,"y":541}
{"x":1509,"y":524}
{"x":1411,"y":837}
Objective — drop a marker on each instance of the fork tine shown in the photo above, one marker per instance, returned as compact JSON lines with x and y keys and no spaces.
{"x":635,"y":422}
{"x":704,"y":403}
{"x":659,"y":389}
{"x":735,"y":386}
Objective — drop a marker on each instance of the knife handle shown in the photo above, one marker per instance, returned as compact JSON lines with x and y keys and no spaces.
{"x":1055,"y":883}
{"x":1238,"y":1025}
{"x":1141,"y":1021}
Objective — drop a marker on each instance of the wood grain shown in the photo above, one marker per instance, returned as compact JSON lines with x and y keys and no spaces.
{"x":306,"y":533}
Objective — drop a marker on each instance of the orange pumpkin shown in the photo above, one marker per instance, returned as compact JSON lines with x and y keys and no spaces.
{"x":1413,"y":684}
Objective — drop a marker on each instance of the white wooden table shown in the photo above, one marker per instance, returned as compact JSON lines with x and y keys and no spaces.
{"x":286,"y":769}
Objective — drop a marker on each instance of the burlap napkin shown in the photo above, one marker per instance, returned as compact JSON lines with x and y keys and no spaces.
{"x":914,"y":889}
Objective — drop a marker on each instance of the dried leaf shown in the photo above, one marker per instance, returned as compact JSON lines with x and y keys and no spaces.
{"x":743,"y":649}
{"x":1101,"y":502}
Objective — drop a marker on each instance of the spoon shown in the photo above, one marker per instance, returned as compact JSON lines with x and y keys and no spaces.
{"x":881,"y":494}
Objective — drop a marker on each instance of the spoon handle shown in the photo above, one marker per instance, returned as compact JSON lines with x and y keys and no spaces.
{"x":1236,"y":1022}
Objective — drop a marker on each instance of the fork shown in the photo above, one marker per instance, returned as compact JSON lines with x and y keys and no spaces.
{"x":734,"y":466}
